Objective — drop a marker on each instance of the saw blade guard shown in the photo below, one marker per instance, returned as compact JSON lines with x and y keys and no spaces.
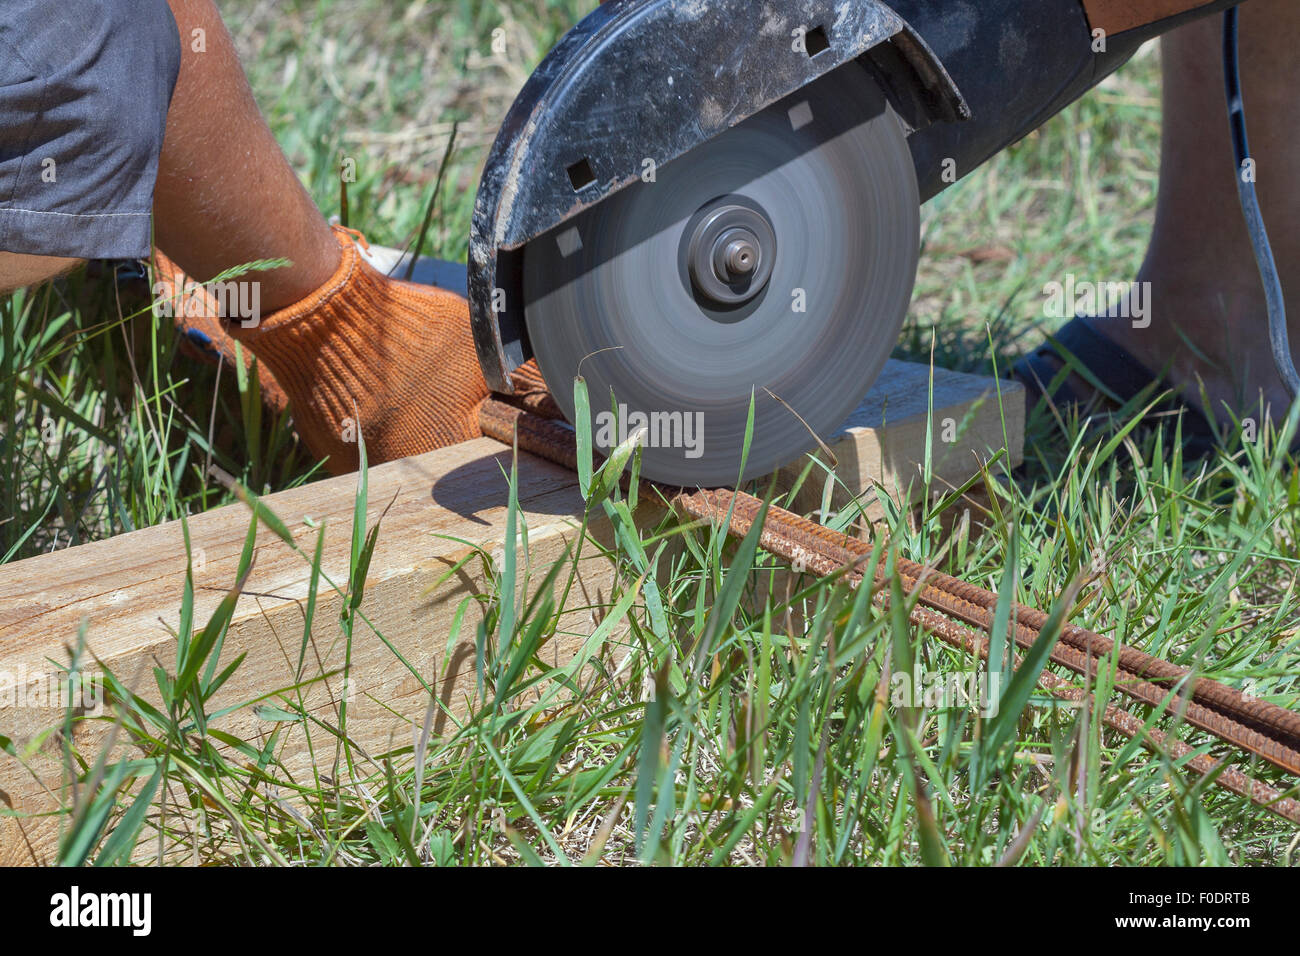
{"x":639,"y":83}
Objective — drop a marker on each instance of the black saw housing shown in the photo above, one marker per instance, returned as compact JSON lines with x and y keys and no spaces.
{"x":649,"y":80}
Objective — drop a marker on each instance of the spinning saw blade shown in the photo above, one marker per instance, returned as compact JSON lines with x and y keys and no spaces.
{"x":775,"y":262}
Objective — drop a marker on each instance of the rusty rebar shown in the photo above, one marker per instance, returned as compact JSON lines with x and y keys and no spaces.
{"x":798,"y":539}
{"x":944,"y":605}
{"x":976,"y":606}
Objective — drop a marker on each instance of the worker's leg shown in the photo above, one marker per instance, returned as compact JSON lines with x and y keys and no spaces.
{"x":357,"y":353}
{"x":1205,"y":286}
{"x":18,"y":270}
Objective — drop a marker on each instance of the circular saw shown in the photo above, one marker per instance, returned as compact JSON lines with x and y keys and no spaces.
{"x":710,"y":209}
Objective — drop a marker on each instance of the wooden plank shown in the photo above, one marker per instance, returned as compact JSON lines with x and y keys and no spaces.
{"x":441,"y":506}
{"x":883,"y":444}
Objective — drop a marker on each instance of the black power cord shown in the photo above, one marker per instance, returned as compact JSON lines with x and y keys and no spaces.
{"x":1277,"y":330}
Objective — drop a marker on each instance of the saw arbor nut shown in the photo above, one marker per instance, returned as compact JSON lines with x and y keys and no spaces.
{"x":731,"y":248}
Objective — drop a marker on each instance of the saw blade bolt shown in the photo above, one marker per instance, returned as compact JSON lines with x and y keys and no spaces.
{"x":731,"y":250}
{"x":737,"y":255}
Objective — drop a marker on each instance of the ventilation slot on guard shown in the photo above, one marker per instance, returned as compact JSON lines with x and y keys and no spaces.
{"x":580,"y":174}
{"x":815,"y":41}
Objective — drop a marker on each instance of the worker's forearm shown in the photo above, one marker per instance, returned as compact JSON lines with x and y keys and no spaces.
{"x":18,"y":270}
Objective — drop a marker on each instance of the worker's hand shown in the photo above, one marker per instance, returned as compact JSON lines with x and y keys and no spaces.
{"x":203,"y":335}
{"x":370,"y":356}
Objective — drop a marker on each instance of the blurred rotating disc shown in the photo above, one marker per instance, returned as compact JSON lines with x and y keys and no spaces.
{"x":777,"y":257}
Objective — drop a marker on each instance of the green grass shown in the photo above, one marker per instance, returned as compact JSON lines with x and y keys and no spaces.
{"x":710,"y":718}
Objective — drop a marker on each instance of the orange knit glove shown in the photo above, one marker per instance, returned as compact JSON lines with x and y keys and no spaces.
{"x":374,"y":356}
{"x":395,"y":357}
{"x":202,"y":333}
